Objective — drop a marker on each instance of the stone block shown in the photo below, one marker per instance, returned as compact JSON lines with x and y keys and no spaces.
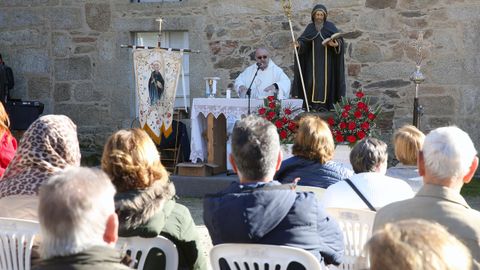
{"x":382,"y":71}
{"x":384,"y":19}
{"x":84,"y":39}
{"x":74,"y":68}
{"x":61,"y":44}
{"x":230,"y":62}
{"x":439,"y":105}
{"x":27,"y":37}
{"x":279,"y":40}
{"x":396,"y":83}
{"x":65,"y":18}
{"x":39,"y":87}
{"x":366,"y":52}
{"x":449,"y":69}
{"x":380,"y":4}
{"x":28,"y":3}
{"x":469,"y":97}
{"x":98,"y":16}
{"x":416,"y":4}
{"x":62,"y":92}
{"x":84,"y":114}
{"x":353,"y":69}
{"x":84,"y":49}
{"x":22,"y":18}
{"x":86,"y":92}
{"x":32,"y":61}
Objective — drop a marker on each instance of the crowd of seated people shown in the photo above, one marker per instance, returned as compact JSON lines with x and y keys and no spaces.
{"x":83,"y":211}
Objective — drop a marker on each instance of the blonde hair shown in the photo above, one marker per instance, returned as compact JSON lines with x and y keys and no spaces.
{"x":408,"y":141}
{"x":314,"y":140}
{"x":4,"y":120}
{"x":131,"y":159}
{"x":417,"y":245}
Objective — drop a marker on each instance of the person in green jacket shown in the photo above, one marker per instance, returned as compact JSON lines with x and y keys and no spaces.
{"x":145,"y":202}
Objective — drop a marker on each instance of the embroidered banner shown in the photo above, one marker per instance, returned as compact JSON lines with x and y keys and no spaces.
{"x":156,"y":76}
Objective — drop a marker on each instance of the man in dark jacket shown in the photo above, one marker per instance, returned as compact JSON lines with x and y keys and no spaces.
{"x":78,"y":222}
{"x":260,"y":210}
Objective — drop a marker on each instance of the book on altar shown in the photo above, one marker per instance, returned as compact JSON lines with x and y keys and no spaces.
{"x":333,"y":37}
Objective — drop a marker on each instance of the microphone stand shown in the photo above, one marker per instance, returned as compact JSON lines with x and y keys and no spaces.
{"x":249,"y":91}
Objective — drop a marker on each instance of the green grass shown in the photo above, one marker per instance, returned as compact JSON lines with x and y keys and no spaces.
{"x":472,"y":189}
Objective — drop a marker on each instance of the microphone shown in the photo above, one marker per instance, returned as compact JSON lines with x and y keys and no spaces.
{"x":259,"y":65}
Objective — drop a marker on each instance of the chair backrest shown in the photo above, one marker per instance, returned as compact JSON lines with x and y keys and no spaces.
{"x":139,"y":246}
{"x":257,"y":256}
{"x":317,"y":190}
{"x":356,"y":225}
{"x":16,"y":241}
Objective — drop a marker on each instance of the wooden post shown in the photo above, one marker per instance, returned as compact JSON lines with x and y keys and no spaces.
{"x":216,"y":142}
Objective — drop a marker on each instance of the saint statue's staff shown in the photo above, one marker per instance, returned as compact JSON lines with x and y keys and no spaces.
{"x":287,"y":8}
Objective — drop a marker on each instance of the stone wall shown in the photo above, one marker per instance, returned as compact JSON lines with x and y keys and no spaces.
{"x":67,"y":53}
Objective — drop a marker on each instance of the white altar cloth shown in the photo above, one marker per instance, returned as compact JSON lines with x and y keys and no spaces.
{"x":233,"y":109}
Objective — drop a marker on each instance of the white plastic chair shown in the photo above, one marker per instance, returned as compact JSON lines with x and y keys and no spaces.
{"x":317,"y":190}
{"x":356,"y":225}
{"x":139,"y":246}
{"x":246,"y":256}
{"x":16,"y":241}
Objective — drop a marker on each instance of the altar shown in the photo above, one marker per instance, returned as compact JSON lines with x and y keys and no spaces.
{"x":213,"y":117}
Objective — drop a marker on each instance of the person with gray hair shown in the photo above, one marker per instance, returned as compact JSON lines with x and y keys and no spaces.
{"x":447,"y":161}
{"x":258,"y":209}
{"x":78,"y":221}
{"x":369,"y":187}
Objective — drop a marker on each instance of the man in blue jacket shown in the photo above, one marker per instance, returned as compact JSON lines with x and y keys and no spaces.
{"x":260,"y":210}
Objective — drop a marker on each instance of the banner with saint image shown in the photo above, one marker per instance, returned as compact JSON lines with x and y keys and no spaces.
{"x":156,"y":76}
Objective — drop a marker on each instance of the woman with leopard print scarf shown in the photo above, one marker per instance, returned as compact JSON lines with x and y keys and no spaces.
{"x":48,"y":146}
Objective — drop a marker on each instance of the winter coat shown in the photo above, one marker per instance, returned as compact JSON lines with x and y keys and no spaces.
{"x":151,"y":212}
{"x":271,"y":213}
{"x":8,"y":146}
{"x":98,"y":257}
{"x":311,"y":172}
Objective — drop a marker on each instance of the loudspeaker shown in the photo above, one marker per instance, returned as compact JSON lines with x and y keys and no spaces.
{"x":23,"y":113}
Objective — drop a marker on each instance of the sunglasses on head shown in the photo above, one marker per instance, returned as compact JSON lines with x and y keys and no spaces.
{"x":262,"y":57}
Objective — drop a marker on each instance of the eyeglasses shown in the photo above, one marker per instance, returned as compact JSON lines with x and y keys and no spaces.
{"x":262,"y":57}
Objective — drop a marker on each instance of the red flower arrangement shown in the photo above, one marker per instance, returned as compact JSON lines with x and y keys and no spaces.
{"x":354,"y":119}
{"x":282,"y":118}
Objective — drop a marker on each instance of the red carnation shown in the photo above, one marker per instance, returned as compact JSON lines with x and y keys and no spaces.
{"x":270,"y":98}
{"x":343,"y":125}
{"x":351,"y":139}
{"x":331,"y":121}
{"x":352,"y":125}
{"x":361,"y":105}
{"x":288,"y":111}
{"x":339,"y":138}
{"x":347,"y":107}
{"x":365,"y":125}
{"x":272,"y":105}
{"x":261,"y":111}
{"x":270,"y":116}
{"x":357,"y":114}
{"x":278,"y":124}
{"x":361,"y":135}
{"x":283,"y":134}
{"x":292,"y":126}
{"x":284,"y":120}
{"x":344,"y":114}
{"x":371,"y":116}
{"x":359,"y":94}
{"x":365,"y":108}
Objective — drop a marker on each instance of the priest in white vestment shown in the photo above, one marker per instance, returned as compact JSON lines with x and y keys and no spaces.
{"x":270,"y":80}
